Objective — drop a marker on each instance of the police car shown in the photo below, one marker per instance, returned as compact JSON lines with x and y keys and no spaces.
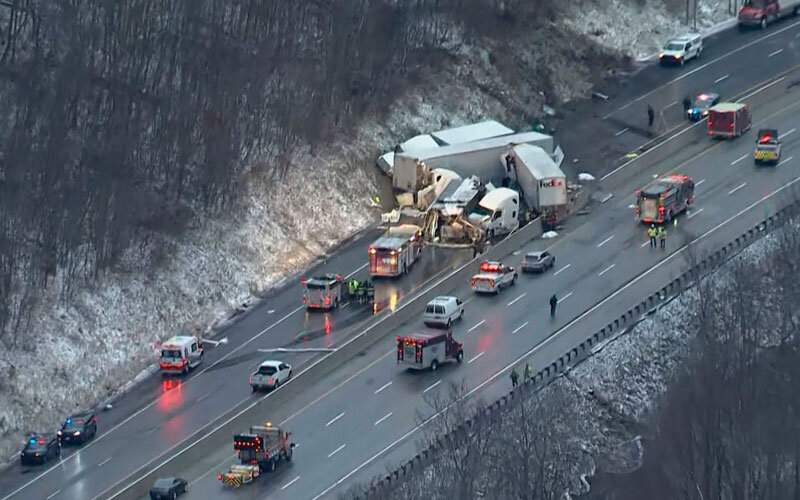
{"x":39,"y":448}
{"x":702,"y":103}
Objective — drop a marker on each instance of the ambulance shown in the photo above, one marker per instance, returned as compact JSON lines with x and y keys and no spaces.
{"x":180,"y":354}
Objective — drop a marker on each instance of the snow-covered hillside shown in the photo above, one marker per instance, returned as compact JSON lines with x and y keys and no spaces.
{"x":103,"y":336}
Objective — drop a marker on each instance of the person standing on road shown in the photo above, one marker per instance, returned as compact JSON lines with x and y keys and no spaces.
{"x":687,"y":104}
{"x":651,"y":116}
{"x":514,"y":378}
{"x":527,"y":372}
{"x":553,"y":304}
{"x":652,"y":233}
{"x":662,"y":236}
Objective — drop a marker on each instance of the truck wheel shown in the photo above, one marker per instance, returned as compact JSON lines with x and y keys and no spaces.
{"x":434,"y":365}
{"x":763,"y":23}
{"x":460,"y":356}
{"x":254,"y":388}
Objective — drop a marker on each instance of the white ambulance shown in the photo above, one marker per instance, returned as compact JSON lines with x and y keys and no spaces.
{"x":180,"y":354}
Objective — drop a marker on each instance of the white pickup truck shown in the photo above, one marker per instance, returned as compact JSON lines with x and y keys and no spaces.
{"x":492,"y":277}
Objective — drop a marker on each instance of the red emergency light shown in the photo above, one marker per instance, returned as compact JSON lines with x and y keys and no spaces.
{"x":372,"y":250}
{"x":489,"y":267}
{"x":765,"y":138}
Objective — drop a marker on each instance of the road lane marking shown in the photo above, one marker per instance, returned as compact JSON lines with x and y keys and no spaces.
{"x":478,"y":324}
{"x":476,"y":357}
{"x":673,"y":103}
{"x":51,"y":495}
{"x":204,"y":396}
{"x":562,"y":269}
{"x":695,"y":212}
{"x":703,"y":66}
{"x":384,"y":386}
{"x":787,"y":160}
{"x":790,"y":131}
{"x":607,"y":197}
{"x":516,"y":300}
{"x":554,"y":335}
{"x":520,"y":327}
{"x":334,"y":419}
{"x":104,"y":462}
{"x":775,"y":53}
{"x":722,"y":78}
{"x":605,"y":241}
{"x":290,"y":483}
{"x":644,"y":244}
{"x":604,"y":271}
{"x":740,"y":186}
{"x":699,"y":182}
{"x":737,"y":160}
{"x":337,"y":450}
{"x":432,"y":386}
{"x":565,"y":297}
{"x":383,"y":418}
{"x":621,"y":132}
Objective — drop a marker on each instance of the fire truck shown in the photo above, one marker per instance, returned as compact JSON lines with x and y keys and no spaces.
{"x":423,"y":350}
{"x":261,"y":449}
{"x":322,"y":292}
{"x":396,"y":251}
{"x":664,"y":198}
{"x":180,"y":354}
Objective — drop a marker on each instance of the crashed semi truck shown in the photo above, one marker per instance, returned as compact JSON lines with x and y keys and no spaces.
{"x":542,"y":183}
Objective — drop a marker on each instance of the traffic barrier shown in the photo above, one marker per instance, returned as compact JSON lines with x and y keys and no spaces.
{"x":676,"y":286}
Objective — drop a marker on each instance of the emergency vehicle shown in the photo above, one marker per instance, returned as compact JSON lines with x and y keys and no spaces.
{"x":664,"y":198}
{"x":180,"y":354}
{"x":261,"y":449}
{"x":492,"y":277}
{"x":322,"y":292}
{"x":728,"y":119}
{"x":702,"y":103}
{"x":396,"y":251}
{"x":768,"y":147}
{"x":422,"y":350}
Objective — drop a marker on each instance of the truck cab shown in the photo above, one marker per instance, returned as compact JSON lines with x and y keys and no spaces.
{"x":761,"y":13}
{"x":322,"y":292}
{"x":180,"y":354}
{"x":419,"y":351}
{"x":768,"y":147}
{"x":497,"y":213}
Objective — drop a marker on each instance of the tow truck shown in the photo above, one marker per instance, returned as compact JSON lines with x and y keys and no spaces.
{"x":261,"y":449}
{"x":492,"y":277}
{"x":664,"y":198}
{"x":422,"y":350}
{"x":768,"y":147}
{"x":322,"y":292}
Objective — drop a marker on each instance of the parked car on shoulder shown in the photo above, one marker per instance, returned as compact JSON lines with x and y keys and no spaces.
{"x":681,"y":50}
{"x":78,"y":428}
{"x":270,"y":375}
{"x":443,"y":311}
{"x":39,"y":448}
{"x":538,"y":262}
{"x":168,"y":488}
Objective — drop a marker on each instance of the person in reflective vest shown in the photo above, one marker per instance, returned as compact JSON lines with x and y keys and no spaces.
{"x":662,"y":236}
{"x":652,"y":232}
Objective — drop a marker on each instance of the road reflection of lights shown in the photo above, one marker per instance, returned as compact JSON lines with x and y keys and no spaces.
{"x":171,"y":394}
{"x":327,"y":324}
{"x":394,"y":298}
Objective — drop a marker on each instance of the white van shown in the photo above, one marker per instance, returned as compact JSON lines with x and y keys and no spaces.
{"x":180,"y":354}
{"x":682,"y":49}
{"x":497,"y":212}
{"x":443,"y":311}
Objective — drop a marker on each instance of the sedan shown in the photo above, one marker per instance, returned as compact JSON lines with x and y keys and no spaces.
{"x":538,"y":262}
{"x":168,"y":488}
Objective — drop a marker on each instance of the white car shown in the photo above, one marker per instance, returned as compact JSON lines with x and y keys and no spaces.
{"x":443,"y":311}
{"x":682,"y":49}
{"x":270,"y":375}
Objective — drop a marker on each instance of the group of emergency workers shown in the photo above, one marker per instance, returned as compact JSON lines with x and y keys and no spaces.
{"x":527,"y":374}
{"x":359,"y":290}
{"x":657,"y":235}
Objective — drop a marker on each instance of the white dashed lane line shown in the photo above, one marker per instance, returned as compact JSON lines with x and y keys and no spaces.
{"x":621,"y":132}
{"x":433,"y":385}
{"x":477,"y":325}
{"x":740,"y":186}
{"x":334,"y":419}
{"x":737,"y":160}
{"x":476,"y":357}
{"x":604,"y":271}
{"x":377,"y":422}
{"x":565,"y":297}
{"x":384,"y":386}
{"x":562,"y":269}
{"x":775,"y":53}
{"x":290,"y":483}
{"x":337,"y":450}
{"x":516,"y":300}
{"x":695,"y":212}
{"x":520,"y":327}
{"x":605,"y":241}
{"x":722,"y":78}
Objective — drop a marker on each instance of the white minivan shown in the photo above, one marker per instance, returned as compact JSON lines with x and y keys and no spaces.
{"x":682,"y":49}
{"x":443,"y":311}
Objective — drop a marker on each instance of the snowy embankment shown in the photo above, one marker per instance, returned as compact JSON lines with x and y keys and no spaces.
{"x":104,"y":336}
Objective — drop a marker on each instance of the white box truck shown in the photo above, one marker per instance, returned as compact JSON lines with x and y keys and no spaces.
{"x":480,"y":158}
{"x":543,"y":184}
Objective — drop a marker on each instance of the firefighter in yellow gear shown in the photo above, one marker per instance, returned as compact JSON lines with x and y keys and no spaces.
{"x":662,"y":236}
{"x":652,"y":232}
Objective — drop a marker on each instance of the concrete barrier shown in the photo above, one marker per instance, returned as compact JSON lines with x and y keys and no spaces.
{"x":217,"y":435}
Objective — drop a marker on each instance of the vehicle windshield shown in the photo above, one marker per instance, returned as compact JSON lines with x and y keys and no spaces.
{"x":482,"y":211}
{"x":171,"y":354}
{"x":759,"y":4}
{"x":674,"y":46}
{"x":315,"y":286}
{"x":267,"y":370}
{"x":73,"y":422}
{"x":703,"y":102}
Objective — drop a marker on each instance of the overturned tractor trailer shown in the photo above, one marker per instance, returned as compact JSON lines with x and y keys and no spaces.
{"x":542,"y":182}
{"x":412,"y":171}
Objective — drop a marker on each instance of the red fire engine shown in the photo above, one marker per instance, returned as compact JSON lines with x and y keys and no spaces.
{"x":664,"y":198}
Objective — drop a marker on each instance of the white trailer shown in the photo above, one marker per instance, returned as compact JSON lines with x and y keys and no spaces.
{"x":480,"y":158}
{"x":417,"y":143}
{"x":471,"y":133}
{"x":542,"y":182}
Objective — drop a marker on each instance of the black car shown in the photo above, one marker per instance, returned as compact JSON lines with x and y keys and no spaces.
{"x":39,"y":448}
{"x":168,"y":488}
{"x":78,"y":428}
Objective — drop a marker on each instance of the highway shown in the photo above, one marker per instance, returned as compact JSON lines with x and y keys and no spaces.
{"x":363,"y":420}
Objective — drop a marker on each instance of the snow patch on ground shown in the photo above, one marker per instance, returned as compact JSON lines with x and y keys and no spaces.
{"x":641,"y":29}
{"x":585,"y":177}
{"x":549,"y":235}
